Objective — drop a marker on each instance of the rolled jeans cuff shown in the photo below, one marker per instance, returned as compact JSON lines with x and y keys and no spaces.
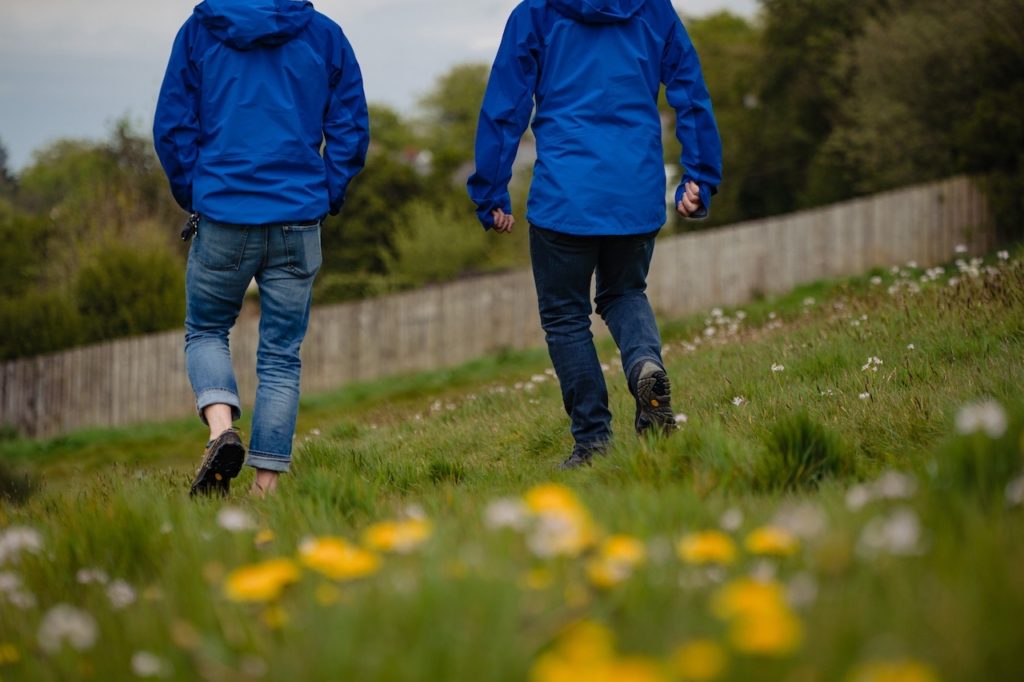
{"x":218,"y":396}
{"x":264,"y":460}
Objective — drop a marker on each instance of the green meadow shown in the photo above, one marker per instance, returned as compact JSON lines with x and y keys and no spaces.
{"x":843,"y":500}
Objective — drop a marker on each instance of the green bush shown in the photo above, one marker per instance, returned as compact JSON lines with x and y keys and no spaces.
{"x":435,"y":244}
{"x":801,"y":455}
{"x":37,"y":323}
{"x":125,"y":292}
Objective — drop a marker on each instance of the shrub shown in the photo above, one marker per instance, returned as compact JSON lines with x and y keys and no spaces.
{"x":37,"y":323}
{"x":125,"y":292}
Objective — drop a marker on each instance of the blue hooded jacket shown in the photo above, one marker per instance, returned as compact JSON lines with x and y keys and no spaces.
{"x":253,"y":91}
{"x":594,"y":68}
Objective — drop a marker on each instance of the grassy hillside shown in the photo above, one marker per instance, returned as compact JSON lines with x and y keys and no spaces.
{"x":844,"y":500}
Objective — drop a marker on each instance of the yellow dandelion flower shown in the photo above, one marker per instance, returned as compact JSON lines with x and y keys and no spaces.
{"x":551,"y":497}
{"x":9,"y":654}
{"x":700,"y":660}
{"x":623,"y":549}
{"x":605,"y":575}
{"x":773,"y":541}
{"x":632,"y":669}
{"x":746,"y":596}
{"x":537,"y":579}
{"x":264,"y":537}
{"x":562,"y":525}
{"x":585,"y":641}
{"x":261,"y":582}
{"x":707,"y":547}
{"x":775,"y":632}
{"x":397,"y":536}
{"x":327,"y":594}
{"x":338,"y":559}
{"x":275,"y":617}
{"x":893,"y":671}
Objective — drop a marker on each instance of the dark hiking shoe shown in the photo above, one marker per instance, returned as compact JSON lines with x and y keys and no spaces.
{"x":653,"y":394}
{"x":582,"y":455}
{"x":221,"y":462}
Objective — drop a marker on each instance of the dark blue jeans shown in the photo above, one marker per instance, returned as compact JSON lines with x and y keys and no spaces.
{"x":563,"y":268}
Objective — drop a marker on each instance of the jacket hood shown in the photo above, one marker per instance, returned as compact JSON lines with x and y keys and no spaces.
{"x":246,"y":24}
{"x":598,"y":11}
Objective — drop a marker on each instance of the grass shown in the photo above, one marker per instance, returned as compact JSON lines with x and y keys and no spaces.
{"x":904,"y":547}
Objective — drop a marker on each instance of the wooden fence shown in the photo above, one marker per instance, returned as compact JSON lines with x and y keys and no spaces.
{"x":143,"y":379}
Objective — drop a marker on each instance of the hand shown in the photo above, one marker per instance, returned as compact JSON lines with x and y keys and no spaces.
{"x":503,"y":222}
{"x":690,"y":202}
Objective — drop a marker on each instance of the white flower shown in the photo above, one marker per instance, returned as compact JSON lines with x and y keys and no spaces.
{"x":894,"y":485}
{"x":809,"y":301}
{"x":873,"y":363}
{"x":960,"y":248}
{"x":741,"y":315}
{"x":988,"y":417}
{"x":507,"y":512}
{"x":120,"y":594}
{"x":315,"y":433}
{"x":22,"y":600}
{"x":739,"y":401}
{"x":538,"y":378}
{"x":858,"y":497}
{"x":911,"y":346}
{"x":731,"y":520}
{"x":827,"y":393}
{"x":681,"y":418}
{"x":17,"y":540}
{"x":898,"y":534}
{"x":772,"y":316}
{"x":9,"y":582}
{"x":912,"y":264}
{"x":1015,"y":492}
{"x":710,"y":331}
{"x":87,"y":576}
{"x":876,"y":280}
{"x":953,"y":281}
{"x":235,"y":520}
{"x":804,"y":520}
{"x":166,"y":528}
{"x":65,"y":623}
{"x":145,"y":664}
{"x":1003,"y":255}
{"x":716,"y":312}
{"x":778,"y":368}
{"x":864,"y":396}
{"x":802,"y":590}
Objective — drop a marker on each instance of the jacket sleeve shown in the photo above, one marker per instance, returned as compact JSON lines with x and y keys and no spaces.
{"x":176,"y":122}
{"x":504,"y":116}
{"x":346,"y":125}
{"x":695,"y":121}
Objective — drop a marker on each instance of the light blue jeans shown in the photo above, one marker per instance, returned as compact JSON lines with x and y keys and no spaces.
{"x":223,"y":260}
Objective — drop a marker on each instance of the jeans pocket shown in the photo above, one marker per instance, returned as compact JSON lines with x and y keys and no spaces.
{"x":303,"y":245}
{"x":220,"y":247}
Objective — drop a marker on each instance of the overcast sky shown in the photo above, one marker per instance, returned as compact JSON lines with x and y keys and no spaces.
{"x":69,"y":67}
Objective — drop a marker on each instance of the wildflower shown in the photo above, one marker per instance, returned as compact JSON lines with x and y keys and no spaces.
{"x":146,"y":664}
{"x":8,"y":654}
{"x":894,"y":485}
{"x":17,"y":540}
{"x":338,"y":559}
{"x":739,"y":401}
{"x":235,"y":520}
{"x":582,"y":651}
{"x":120,"y":594}
{"x":731,"y":520}
{"x":778,"y":368}
{"x":681,"y":418}
{"x":960,"y":249}
{"x":858,"y":497}
{"x":988,"y":417}
{"x":893,"y":671}
{"x":864,"y":396}
{"x":953,"y":281}
{"x":898,"y":534}
{"x":87,"y":576}
{"x":261,"y":582}
{"x":745,"y":596}
{"x":700,"y":660}
{"x":707,"y":547}
{"x":264,"y":537}
{"x":537,"y":579}
{"x":538,"y":378}
{"x":774,"y":632}
{"x":617,"y":557}
{"x":802,"y":590}
{"x":873,"y":363}
{"x":876,"y":280}
{"x":710,"y":331}
{"x":65,"y":623}
{"x":771,"y":540}
{"x":166,"y":528}
{"x":563,"y":526}
{"x":275,"y":617}
{"x":401,"y":537}
{"x":9,"y":582}
{"x":809,"y":301}
{"x":1003,"y":255}
{"x":506,"y":513}
{"x":253,"y":666}
{"x":805,"y":520}
{"x":911,"y":346}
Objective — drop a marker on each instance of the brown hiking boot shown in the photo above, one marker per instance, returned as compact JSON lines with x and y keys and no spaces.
{"x":221,"y":462}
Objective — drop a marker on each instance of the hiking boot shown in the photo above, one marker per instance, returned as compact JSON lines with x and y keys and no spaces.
{"x":653,"y":395}
{"x":221,"y":462}
{"x":582,"y":455}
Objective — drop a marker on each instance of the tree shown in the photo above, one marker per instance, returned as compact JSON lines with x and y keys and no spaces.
{"x":451,"y":112}
{"x":7,"y":179}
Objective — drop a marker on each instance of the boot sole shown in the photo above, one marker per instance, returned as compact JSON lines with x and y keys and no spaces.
{"x":218,"y":469}
{"x":654,"y":404}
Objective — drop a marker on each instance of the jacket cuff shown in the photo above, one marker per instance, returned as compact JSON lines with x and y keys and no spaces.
{"x":706,"y":191}
{"x":483,"y":211}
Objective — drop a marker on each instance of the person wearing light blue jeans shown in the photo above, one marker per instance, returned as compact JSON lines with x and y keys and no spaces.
{"x":261,"y":125}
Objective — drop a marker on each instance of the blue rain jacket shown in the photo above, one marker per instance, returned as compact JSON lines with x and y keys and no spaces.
{"x":253,"y":91}
{"x":594,"y":69}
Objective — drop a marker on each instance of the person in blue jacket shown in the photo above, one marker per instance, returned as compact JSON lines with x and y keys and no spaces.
{"x":261,"y":125}
{"x":592,"y":70}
